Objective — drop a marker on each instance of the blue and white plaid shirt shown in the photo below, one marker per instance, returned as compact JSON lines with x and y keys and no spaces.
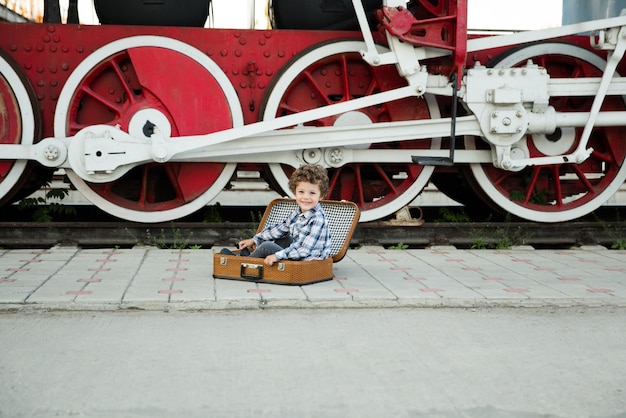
{"x":309,"y":231}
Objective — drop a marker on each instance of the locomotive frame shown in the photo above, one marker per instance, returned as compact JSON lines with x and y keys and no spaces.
{"x":150,"y":123}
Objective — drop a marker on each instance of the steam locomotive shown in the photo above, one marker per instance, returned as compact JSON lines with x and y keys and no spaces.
{"x":150,"y":115}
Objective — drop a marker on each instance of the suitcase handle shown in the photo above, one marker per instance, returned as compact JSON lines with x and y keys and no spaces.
{"x":257,"y":276}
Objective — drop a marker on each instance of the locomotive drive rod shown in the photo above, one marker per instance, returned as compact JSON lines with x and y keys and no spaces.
{"x":110,"y":152}
{"x":338,"y":136}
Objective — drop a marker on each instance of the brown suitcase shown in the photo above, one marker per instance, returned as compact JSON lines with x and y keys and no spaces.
{"x":342,"y":219}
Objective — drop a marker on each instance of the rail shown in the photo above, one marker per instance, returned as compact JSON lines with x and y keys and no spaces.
{"x":206,"y":235}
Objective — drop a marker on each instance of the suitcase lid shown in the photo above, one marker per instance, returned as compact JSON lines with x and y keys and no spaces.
{"x":342,"y":218}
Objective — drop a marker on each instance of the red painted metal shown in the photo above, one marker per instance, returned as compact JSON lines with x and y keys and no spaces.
{"x":46,"y":55}
{"x":439,"y":24}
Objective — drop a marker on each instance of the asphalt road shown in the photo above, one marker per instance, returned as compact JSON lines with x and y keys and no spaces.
{"x":550,"y":362}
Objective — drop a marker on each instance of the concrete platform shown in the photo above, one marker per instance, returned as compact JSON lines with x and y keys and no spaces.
{"x":67,"y":278}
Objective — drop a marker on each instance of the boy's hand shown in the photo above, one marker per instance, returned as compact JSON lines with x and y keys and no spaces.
{"x":246,"y":243}
{"x":270,"y":259}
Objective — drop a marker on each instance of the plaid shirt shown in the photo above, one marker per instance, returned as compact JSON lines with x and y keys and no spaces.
{"x":309,"y":231}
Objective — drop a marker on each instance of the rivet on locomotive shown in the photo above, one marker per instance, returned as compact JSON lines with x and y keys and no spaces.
{"x":150,"y":114}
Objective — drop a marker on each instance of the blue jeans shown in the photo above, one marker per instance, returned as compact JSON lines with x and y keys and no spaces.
{"x":270,"y":247}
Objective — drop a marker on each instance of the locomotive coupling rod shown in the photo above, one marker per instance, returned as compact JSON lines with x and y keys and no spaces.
{"x":256,"y":147}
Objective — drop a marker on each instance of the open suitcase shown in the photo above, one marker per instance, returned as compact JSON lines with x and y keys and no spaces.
{"x":342,"y":219}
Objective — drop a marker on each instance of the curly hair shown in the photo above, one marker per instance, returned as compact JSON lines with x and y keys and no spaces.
{"x":310,"y":173}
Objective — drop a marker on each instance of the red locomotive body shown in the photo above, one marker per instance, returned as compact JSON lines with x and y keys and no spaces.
{"x":151,"y":122}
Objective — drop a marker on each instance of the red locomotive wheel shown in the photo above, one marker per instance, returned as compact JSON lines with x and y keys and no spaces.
{"x":334,"y":73}
{"x":131,"y":80}
{"x":19,"y":124}
{"x":556,"y":193}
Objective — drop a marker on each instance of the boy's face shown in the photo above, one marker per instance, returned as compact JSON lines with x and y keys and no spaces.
{"x":307,"y":195}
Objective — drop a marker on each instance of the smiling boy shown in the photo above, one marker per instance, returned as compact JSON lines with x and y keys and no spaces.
{"x":304,"y":234}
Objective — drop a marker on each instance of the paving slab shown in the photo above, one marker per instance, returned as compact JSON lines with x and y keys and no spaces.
{"x":370,"y":276}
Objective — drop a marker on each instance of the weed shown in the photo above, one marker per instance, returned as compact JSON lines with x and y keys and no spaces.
{"x":503,"y":238}
{"x":399,"y":246}
{"x":538,"y":196}
{"x":479,"y":244}
{"x":616,"y":233}
{"x":173,"y":241}
{"x":256,"y":217}
{"x":213,"y":214}
{"x":447,"y":215}
{"x":256,"y":220}
{"x":48,"y":206}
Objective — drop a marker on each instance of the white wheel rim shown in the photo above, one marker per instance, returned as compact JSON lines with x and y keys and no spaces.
{"x":27,"y":120}
{"x":510,"y":206}
{"x":275,"y":98}
{"x":61,"y":114}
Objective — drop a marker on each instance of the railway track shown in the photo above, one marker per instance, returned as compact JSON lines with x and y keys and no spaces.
{"x":90,"y":227}
{"x":20,"y":234}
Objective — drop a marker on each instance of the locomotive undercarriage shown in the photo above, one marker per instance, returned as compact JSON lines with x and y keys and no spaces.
{"x":540,"y":129}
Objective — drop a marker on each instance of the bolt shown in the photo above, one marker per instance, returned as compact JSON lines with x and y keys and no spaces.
{"x":506,"y":121}
{"x":51,"y":153}
{"x":506,"y":165}
{"x":336,"y":156}
{"x":160,"y":153}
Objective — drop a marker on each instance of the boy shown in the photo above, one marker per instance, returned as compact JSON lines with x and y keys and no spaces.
{"x":304,"y":235}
